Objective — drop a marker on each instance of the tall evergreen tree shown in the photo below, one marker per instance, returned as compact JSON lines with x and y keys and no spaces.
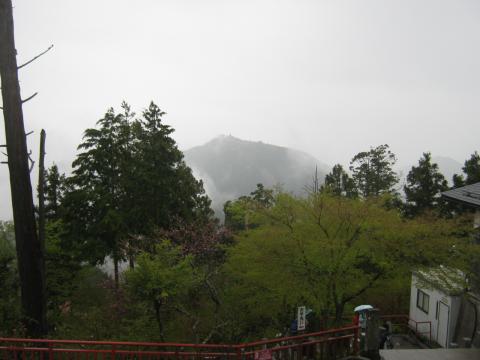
{"x":424,"y":185}
{"x":128,"y":180}
{"x":339,"y":183}
{"x":54,"y":189}
{"x":93,"y":204}
{"x":372,"y":171}
{"x":165,"y":188}
{"x":471,"y":169}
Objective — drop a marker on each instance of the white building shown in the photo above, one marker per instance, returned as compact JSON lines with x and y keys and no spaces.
{"x":435,"y":304}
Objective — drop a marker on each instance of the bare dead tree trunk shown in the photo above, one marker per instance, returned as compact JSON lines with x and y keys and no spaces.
{"x":41,"y":191}
{"x":115,"y":271}
{"x":29,"y":251}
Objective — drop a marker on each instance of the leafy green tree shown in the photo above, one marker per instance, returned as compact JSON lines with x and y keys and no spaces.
{"x":338,"y":182}
{"x":424,"y":186}
{"x":330,"y":251}
{"x":240,"y":214}
{"x":163,"y":280}
{"x":262,"y":196}
{"x":372,"y":171}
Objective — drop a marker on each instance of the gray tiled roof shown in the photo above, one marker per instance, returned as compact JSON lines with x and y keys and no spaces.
{"x":469,"y":194}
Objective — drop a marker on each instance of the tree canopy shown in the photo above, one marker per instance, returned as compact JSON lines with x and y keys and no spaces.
{"x":339,"y":182}
{"x":373,"y":171}
{"x":424,"y":185}
{"x":128,"y":179}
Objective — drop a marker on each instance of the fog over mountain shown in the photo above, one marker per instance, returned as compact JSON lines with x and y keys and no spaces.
{"x":231,"y":167}
{"x":448,"y":167}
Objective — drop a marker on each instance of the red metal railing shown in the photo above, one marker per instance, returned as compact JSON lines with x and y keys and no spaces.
{"x":420,"y":328}
{"x":330,"y":344}
{"x":44,"y":349}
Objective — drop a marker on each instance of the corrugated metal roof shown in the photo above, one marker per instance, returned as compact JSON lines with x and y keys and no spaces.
{"x":469,"y":194}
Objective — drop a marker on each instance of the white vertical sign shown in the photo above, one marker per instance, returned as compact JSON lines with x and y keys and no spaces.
{"x":301,"y":321}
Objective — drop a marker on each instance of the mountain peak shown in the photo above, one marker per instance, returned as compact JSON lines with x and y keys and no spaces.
{"x":231,"y":167}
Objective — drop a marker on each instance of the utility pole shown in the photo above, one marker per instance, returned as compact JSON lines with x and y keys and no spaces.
{"x":29,"y":250}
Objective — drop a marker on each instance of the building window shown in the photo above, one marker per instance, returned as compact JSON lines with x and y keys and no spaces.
{"x":423,"y":300}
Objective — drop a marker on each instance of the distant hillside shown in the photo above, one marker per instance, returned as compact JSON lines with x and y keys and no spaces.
{"x":232,"y":167}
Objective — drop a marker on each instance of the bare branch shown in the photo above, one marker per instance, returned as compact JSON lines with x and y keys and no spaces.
{"x":32,"y":162}
{"x":30,"y":98}
{"x":29,"y":133}
{"x":370,"y":283}
{"x":4,"y":162}
{"x":35,"y":58}
{"x":4,"y":153}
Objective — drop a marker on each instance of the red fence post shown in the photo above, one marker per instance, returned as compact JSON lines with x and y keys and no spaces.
{"x":239,"y":353}
{"x":356,"y":340}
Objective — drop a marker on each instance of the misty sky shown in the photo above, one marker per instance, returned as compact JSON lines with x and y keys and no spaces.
{"x":330,"y":78}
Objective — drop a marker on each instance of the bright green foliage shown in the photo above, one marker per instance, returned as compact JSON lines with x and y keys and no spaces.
{"x":372,"y":171}
{"x":339,"y":183}
{"x":424,"y":185}
{"x":162,"y":280}
{"x":324,"y":252}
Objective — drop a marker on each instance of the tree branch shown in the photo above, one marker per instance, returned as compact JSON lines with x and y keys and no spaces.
{"x":362,"y":290}
{"x":29,"y":98}
{"x":32,"y":162}
{"x":35,"y":58}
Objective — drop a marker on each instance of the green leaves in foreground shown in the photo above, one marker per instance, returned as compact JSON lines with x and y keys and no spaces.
{"x":327,"y":252}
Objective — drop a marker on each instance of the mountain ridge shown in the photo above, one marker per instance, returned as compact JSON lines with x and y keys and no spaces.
{"x":231,"y":167}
